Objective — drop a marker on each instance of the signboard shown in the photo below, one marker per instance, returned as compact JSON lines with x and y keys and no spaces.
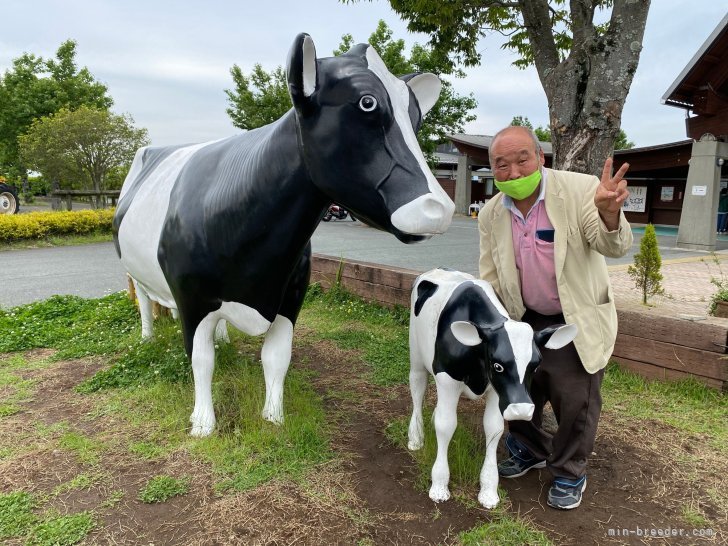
{"x":637,"y":199}
{"x":667,"y":193}
{"x":700,"y":190}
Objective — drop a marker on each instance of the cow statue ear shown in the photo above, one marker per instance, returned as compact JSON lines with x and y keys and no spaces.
{"x":426,"y":88}
{"x":555,"y":337}
{"x":466,"y":333}
{"x":301,"y":69}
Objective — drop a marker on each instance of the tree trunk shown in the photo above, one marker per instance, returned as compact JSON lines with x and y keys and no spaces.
{"x":587,"y":90}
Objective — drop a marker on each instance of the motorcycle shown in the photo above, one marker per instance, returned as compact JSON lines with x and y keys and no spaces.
{"x":340,"y":213}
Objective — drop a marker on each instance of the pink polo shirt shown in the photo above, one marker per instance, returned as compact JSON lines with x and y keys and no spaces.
{"x":533,"y":246}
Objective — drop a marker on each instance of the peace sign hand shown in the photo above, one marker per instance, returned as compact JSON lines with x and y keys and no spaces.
{"x":611,"y":194}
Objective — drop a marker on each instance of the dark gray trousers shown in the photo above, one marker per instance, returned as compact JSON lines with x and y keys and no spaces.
{"x":575,"y":397}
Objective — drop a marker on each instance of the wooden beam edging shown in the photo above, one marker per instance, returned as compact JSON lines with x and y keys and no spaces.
{"x":653,"y":346}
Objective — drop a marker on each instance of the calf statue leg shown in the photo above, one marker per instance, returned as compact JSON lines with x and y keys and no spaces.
{"x":221,"y":332}
{"x":446,"y":420}
{"x":276,"y":357}
{"x":203,"y":364}
{"x":418,"y":386}
{"x":145,"y":309}
{"x":493,"y":427}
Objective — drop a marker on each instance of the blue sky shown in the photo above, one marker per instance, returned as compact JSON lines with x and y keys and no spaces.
{"x":167,"y":63}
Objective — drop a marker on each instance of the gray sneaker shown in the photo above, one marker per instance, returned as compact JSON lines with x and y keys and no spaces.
{"x":566,"y":494}
{"x":520,"y":461}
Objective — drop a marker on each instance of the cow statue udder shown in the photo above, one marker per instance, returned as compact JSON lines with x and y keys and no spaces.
{"x":462,"y":335}
{"x":196,"y":225}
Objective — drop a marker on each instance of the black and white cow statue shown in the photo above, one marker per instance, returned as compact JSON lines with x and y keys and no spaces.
{"x":196,"y":225}
{"x":462,"y":335}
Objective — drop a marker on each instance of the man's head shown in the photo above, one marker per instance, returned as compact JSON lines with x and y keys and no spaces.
{"x":514,"y":153}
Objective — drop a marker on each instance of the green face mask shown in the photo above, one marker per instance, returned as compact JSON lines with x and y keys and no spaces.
{"x":520,"y":188}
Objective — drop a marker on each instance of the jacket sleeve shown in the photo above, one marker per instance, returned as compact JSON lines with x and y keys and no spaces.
{"x":612,"y":244}
{"x":487,"y":264}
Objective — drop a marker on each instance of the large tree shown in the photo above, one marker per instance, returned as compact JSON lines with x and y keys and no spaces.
{"x":262,"y":97}
{"x":586,"y":67}
{"x":34,"y":88}
{"x":86,"y":146}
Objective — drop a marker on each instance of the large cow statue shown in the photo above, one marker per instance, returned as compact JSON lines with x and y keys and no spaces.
{"x":462,"y":334}
{"x":198,"y":226}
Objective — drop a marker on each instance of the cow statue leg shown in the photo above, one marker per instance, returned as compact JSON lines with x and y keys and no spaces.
{"x":145,"y":309}
{"x":493,"y":427}
{"x":446,"y":420}
{"x":418,"y":386}
{"x":276,"y":357}
{"x":203,"y":364}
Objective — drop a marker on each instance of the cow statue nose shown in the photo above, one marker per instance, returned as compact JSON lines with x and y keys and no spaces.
{"x":518,"y":412}
{"x":429,"y":214}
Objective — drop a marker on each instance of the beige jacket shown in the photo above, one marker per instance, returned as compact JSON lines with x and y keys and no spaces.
{"x":581,"y":241}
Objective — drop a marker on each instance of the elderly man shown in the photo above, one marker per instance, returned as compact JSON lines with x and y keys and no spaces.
{"x":542,"y":245}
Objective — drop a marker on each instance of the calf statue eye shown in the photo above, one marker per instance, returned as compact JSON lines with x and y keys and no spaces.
{"x":497,"y":367}
{"x":367,"y":103}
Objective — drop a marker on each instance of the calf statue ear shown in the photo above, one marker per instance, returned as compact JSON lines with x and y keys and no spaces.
{"x":301,"y":69}
{"x":466,"y":333}
{"x":555,"y":337}
{"x":426,"y":88}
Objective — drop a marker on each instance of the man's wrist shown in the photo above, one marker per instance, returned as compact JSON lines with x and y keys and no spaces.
{"x":610,"y":219}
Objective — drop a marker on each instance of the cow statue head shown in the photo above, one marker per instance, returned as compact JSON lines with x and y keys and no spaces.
{"x":511,"y":354}
{"x":357,"y":124}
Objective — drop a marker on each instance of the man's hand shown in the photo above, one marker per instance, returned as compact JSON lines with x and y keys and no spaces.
{"x":611,"y":194}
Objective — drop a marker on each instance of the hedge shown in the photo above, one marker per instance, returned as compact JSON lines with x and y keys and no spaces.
{"x":36,"y":225}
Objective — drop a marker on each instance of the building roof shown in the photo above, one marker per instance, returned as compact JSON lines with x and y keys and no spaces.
{"x":708,"y":67}
{"x":483,"y":141}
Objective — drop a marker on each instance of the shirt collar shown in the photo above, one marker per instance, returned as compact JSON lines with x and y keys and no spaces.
{"x":508,"y":200}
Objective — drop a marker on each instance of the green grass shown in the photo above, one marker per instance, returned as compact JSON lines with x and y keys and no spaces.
{"x":16,"y":390}
{"x":88,"y":450}
{"x":57,"y":240}
{"x":81,"y":481}
{"x":504,"y":530}
{"x":75,"y":326}
{"x":381,"y":334}
{"x":162,"y":488}
{"x":17,"y":520}
{"x":16,"y":514}
{"x":686,"y":405}
{"x":62,"y":530}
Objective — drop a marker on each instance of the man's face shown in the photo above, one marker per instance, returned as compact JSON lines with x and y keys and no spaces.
{"x":514,"y":156}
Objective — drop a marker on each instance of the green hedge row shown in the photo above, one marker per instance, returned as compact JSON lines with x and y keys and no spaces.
{"x":36,"y":225}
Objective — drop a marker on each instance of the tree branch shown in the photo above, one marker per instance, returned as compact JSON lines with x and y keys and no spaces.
{"x":537,"y":21}
{"x":582,"y":21}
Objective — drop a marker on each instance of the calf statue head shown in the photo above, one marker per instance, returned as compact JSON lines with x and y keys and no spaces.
{"x":511,"y":354}
{"x":356,"y":124}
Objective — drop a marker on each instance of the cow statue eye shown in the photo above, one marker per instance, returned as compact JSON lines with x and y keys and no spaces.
{"x":498,"y":368}
{"x":367,"y":103}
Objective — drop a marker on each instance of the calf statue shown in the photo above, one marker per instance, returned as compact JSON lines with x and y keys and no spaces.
{"x":196,"y":227}
{"x":461,"y":334}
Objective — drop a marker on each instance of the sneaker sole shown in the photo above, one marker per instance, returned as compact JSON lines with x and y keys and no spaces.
{"x":542,"y":464}
{"x":572,"y":506}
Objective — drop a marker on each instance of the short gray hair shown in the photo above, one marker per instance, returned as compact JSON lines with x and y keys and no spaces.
{"x":536,"y":143}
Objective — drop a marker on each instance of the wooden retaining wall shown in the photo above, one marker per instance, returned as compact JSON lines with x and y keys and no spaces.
{"x":664,"y":348}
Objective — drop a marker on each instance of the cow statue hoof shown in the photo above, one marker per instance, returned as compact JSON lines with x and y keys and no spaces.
{"x":488,"y":499}
{"x":439,"y":493}
{"x":415,"y":435}
{"x":203,"y":424}
{"x":274,"y":415}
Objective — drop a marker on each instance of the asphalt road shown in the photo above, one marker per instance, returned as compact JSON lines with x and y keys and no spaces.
{"x":94,"y":270}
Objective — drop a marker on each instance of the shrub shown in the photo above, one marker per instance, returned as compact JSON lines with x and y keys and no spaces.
{"x":36,"y":225}
{"x":647,"y":263}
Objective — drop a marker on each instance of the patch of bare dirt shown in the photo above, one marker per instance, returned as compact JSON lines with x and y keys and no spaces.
{"x":641,"y":478}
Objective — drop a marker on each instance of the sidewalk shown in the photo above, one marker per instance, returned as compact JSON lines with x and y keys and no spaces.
{"x":686,"y":282}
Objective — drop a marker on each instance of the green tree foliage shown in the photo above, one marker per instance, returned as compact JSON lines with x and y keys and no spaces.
{"x":647,"y":263}
{"x":544,"y":134}
{"x":258,"y":99}
{"x":262,"y":97}
{"x":34,"y":88}
{"x":586,"y":66}
{"x":86,"y":145}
